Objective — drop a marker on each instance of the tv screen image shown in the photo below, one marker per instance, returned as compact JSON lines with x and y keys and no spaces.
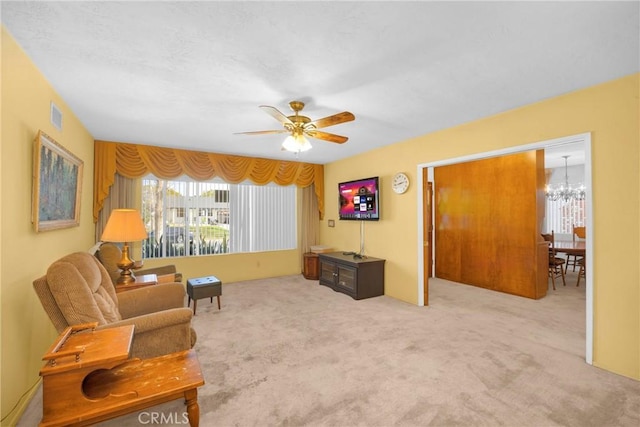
{"x":359,"y":199}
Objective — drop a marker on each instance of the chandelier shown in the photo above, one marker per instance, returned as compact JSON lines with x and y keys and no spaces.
{"x":565,"y":191}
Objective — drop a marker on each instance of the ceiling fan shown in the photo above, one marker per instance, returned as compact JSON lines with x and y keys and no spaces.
{"x":297,"y":126}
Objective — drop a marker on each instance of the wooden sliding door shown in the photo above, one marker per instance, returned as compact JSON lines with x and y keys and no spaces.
{"x":488,"y":215}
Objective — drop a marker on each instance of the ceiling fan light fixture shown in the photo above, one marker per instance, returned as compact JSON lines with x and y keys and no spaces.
{"x":299,"y":126}
{"x":296,"y":143}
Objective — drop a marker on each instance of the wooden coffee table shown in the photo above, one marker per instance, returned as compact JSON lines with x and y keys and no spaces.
{"x":89,"y":378}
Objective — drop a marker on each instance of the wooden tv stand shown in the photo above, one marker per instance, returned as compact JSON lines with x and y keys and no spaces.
{"x":358,"y":277}
{"x":89,"y":378}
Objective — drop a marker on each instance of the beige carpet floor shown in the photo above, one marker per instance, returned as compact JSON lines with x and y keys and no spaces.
{"x":288,"y":352}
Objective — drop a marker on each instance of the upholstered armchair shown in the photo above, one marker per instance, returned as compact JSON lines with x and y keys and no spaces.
{"x":109,"y":254}
{"x":77,"y":289}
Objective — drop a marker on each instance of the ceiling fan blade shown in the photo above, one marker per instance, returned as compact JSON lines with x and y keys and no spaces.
{"x":327,"y":136}
{"x":261,"y":132}
{"x":336,"y":119}
{"x":276,"y":114}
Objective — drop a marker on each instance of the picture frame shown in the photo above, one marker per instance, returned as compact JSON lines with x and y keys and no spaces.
{"x":57,"y":185}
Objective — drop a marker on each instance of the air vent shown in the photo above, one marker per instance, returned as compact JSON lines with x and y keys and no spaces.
{"x":56,"y":116}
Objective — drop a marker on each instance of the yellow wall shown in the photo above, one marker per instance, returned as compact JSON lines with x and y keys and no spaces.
{"x":231,"y":268}
{"x":610,"y":112}
{"x":26,"y":330}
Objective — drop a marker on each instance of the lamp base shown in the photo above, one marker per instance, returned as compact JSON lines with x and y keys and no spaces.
{"x":126,"y":278}
{"x":126,"y":275}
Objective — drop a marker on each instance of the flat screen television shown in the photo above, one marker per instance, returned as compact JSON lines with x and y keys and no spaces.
{"x":359,"y":199}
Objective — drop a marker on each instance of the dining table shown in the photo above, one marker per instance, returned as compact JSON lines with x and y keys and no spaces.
{"x":575,"y":248}
{"x":578,"y":248}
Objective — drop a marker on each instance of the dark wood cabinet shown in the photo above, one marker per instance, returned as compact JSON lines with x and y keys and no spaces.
{"x":357,"y":277}
{"x":310,"y":267}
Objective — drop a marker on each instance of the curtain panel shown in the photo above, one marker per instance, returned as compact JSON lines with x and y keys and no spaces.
{"x":311,"y":231}
{"x":121,"y":195}
{"x":136,"y":161}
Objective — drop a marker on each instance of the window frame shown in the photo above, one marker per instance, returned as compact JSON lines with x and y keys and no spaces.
{"x":190,"y":193}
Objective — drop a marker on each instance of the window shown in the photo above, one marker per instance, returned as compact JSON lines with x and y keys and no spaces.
{"x":561,"y":216}
{"x":190,"y":218}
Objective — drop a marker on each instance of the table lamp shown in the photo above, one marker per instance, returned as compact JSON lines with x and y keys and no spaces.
{"x":124,"y":225}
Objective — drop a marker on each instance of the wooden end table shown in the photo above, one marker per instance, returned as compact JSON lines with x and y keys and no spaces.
{"x":311,"y":267}
{"x":89,"y":378}
{"x":141,"y":282}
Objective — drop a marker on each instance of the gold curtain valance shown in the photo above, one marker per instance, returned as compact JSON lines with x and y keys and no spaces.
{"x":136,"y":161}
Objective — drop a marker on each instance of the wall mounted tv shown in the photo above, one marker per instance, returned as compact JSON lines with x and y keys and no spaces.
{"x":359,"y":199}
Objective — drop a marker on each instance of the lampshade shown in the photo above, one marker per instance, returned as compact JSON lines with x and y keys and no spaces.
{"x":296,"y":143}
{"x":124,"y":225}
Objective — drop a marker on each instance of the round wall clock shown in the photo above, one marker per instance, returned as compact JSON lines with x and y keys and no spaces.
{"x":400,"y":183}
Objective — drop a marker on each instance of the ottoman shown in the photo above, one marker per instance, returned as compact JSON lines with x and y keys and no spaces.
{"x":203,"y":287}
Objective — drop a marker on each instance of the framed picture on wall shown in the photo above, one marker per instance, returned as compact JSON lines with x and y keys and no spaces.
{"x":57,"y":185}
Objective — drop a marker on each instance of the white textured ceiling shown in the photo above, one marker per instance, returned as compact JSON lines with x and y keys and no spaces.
{"x":191,"y":74}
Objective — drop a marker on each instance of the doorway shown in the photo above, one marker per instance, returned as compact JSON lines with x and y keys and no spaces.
{"x":426,"y":170}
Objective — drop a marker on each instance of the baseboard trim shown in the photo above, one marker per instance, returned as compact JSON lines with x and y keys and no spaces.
{"x":17,"y":412}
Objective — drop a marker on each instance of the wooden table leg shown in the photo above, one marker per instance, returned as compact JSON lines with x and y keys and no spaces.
{"x":193,"y":409}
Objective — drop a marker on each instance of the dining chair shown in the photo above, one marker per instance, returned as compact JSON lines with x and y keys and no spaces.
{"x":581,"y":271}
{"x":556,"y":264}
{"x":572,"y":259}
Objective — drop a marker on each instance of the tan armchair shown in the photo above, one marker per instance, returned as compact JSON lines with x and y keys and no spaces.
{"x":109,"y":254}
{"x":77,"y":289}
